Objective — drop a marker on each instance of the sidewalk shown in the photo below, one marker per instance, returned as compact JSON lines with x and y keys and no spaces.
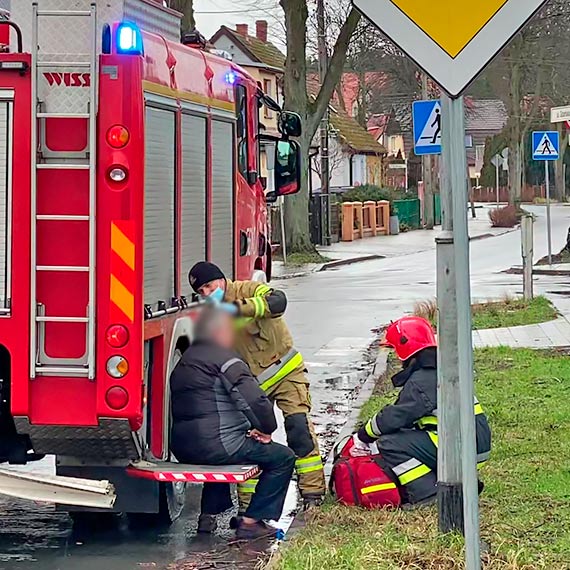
{"x":552,"y":334}
{"x":414,"y":241}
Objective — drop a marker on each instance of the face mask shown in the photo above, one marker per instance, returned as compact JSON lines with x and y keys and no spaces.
{"x":217,"y":295}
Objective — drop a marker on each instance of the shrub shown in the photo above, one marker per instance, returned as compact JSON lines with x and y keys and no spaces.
{"x":504,"y":217}
{"x":376,"y":193}
{"x":427,"y":309}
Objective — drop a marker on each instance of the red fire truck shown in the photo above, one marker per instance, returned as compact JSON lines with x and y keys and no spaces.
{"x":125,"y":157}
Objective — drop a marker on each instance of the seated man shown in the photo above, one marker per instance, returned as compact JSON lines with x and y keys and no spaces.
{"x":406,"y":431}
{"x":222,"y":417}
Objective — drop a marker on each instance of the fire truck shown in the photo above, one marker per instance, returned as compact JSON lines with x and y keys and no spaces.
{"x":125,"y":157}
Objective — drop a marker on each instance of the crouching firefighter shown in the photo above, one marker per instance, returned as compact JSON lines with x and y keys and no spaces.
{"x":406,"y":431}
{"x":265,"y":343}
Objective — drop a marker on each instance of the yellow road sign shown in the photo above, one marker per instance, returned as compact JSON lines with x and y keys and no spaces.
{"x":451,"y":40}
{"x":452,"y":24}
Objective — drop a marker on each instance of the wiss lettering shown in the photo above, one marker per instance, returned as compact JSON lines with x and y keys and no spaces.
{"x":68,"y":79}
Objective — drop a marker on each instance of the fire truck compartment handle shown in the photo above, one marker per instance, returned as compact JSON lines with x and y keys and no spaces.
{"x":18,"y":32}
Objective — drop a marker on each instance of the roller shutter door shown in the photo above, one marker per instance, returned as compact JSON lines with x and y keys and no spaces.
{"x":222,"y":234}
{"x":159,"y":206}
{"x":5,"y":159}
{"x":193,"y":230}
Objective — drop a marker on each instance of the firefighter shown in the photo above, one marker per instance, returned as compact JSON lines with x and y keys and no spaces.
{"x":406,"y":431}
{"x":265,"y":343}
{"x":222,"y":417}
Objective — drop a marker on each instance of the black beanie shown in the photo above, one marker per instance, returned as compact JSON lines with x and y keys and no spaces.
{"x":204,"y":272}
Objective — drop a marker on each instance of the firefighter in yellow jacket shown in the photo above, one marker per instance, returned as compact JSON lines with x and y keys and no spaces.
{"x":265,"y":343}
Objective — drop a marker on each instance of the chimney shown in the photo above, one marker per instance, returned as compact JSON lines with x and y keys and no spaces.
{"x":241,"y":29}
{"x":261,"y":30}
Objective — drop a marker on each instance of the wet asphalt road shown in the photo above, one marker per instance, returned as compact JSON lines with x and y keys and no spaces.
{"x":332,"y":316}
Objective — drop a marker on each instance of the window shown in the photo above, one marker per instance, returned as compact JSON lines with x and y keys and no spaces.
{"x":242,"y":129}
{"x":267,"y":88}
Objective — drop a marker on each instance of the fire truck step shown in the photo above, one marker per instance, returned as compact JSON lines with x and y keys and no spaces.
{"x":62,"y":218}
{"x":74,"y":268}
{"x":62,"y":370}
{"x":63,"y":115}
{"x":62,"y":166}
{"x":181,"y":472}
{"x":44,"y":319}
{"x":50,"y":64}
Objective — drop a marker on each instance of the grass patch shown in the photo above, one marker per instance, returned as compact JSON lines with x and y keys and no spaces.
{"x":525,"y":509}
{"x":299,"y":259}
{"x":562,"y":257}
{"x":509,"y":312}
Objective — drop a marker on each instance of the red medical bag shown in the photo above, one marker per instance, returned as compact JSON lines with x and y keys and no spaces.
{"x":362,"y":481}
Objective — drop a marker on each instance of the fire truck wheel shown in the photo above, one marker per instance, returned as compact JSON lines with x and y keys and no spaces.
{"x":171,"y":503}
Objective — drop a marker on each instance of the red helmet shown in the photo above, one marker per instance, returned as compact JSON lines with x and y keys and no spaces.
{"x":408,"y":335}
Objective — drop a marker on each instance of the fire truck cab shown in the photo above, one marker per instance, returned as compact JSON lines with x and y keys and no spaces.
{"x":125,"y":157}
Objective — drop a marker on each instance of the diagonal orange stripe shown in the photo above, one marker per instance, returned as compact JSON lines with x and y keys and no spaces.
{"x":123,"y":246}
{"x":122,"y":298}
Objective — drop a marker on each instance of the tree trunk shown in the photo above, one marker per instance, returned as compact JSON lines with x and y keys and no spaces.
{"x":187,"y":9}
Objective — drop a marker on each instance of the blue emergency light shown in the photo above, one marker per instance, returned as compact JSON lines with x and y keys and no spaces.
{"x":129,"y":39}
{"x":231,"y":77}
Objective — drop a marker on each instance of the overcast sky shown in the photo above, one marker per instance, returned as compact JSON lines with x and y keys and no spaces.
{"x":211,"y":14}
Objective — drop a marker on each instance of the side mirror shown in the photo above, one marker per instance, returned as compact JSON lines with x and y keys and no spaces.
{"x":289,"y":124}
{"x":287,"y":168}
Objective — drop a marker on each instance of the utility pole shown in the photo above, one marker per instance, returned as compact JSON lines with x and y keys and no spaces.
{"x":427,"y":173}
{"x":324,"y":129}
{"x":457,"y":496}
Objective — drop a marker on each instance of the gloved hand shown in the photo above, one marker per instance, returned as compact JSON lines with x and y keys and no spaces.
{"x":230,"y":308}
{"x":359,"y":448}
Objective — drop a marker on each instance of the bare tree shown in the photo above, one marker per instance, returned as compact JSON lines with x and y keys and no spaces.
{"x":298,"y":99}
{"x":186,"y":8}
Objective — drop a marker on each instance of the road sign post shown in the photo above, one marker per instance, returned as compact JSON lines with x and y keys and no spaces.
{"x":452,"y":41}
{"x":546,"y":147}
{"x":527,"y":250}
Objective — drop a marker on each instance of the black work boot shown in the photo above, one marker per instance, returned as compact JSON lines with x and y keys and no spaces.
{"x":254,"y":531}
{"x":207,"y":524}
{"x":312,"y":501}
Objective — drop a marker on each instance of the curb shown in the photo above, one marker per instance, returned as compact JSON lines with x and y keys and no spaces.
{"x":366,"y":389}
{"x":349,"y":261}
{"x":487,"y":236}
{"x":554,"y":272}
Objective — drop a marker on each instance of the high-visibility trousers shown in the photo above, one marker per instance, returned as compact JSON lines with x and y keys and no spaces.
{"x":412,"y":456}
{"x":292,"y":397}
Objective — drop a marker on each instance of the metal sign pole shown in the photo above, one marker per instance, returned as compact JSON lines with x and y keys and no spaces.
{"x":548,"y":220}
{"x":454,"y":113}
{"x":497,"y":177}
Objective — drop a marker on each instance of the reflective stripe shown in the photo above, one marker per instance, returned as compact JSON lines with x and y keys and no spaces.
{"x":406,"y":466}
{"x":414,"y":474}
{"x":478,"y":409}
{"x":482,"y":457}
{"x":369,"y":430}
{"x":434,"y":437}
{"x":276,"y":372}
{"x":374,"y":488}
{"x":308,"y":464}
{"x":229,"y":364}
{"x":431,"y":420}
{"x":248,"y":486}
{"x":262,"y":290}
{"x":259,"y":305}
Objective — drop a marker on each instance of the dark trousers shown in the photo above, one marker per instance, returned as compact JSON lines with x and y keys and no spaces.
{"x":276,"y":463}
{"x":412,"y":456}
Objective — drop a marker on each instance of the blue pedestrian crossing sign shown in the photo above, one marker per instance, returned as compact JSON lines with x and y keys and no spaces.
{"x":427,"y":127}
{"x":545,"y":145}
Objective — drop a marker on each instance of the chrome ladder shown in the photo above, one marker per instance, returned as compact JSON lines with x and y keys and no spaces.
{"x":85,"y":365}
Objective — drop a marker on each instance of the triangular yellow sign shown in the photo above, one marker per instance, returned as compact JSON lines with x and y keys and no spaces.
{"x":451,"y":24}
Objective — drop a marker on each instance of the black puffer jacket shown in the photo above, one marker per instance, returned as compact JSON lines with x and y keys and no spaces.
{"x":417,"y":401}
{"x":216,"y":400}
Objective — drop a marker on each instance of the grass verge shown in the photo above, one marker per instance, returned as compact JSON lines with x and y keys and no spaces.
{"x":525,"y":509}
{"x":300,"y":259}
{"x":509,"y":312}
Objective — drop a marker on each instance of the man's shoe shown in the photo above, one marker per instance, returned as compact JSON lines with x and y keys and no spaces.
{"x":207,"y":524}
{"x":254,"y":531}
{"x":480,"y":486}
{"x":312,"y":501}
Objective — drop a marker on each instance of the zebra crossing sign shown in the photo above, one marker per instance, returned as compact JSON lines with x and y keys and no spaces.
{"x":427,"y":127}
{"x":545,"y":145}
